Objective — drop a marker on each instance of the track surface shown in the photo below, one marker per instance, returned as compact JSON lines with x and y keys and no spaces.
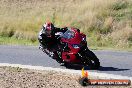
{"x":113,"y":62}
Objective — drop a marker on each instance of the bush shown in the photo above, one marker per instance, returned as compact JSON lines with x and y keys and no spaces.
{"x":121,"y":4}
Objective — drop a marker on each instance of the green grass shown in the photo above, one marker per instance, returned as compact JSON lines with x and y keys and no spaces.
{"x":15,"y":41}
{"x":111,"y":48}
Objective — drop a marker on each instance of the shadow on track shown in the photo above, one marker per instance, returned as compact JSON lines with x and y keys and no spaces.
{"x":111,"y":69}
{"x":79,"y":67}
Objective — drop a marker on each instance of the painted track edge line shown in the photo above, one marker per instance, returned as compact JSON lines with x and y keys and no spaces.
{"x":96,"y":74}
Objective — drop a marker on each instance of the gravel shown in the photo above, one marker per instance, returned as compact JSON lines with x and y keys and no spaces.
{"x":15,"y":77}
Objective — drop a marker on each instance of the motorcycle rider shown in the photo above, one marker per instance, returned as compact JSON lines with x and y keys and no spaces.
{"x":47,"y":34}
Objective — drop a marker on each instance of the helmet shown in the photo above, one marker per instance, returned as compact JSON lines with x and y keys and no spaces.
{"x":48,"y":28}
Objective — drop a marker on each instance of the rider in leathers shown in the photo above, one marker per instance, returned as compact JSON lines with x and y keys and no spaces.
{"x":47,"y":35}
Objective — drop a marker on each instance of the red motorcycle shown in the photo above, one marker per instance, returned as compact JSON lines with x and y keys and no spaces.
{"x":73,"y":49}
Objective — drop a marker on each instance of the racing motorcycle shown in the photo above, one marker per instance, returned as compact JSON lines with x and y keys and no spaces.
{"x":73,"y":49}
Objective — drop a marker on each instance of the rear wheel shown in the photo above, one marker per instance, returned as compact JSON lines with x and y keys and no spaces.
{"x":91,"y":60}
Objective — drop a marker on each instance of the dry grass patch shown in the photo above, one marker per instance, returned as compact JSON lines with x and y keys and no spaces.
{"x":96,"y":18}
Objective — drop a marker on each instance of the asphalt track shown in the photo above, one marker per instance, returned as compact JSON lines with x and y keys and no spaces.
{"x":112,"y":62}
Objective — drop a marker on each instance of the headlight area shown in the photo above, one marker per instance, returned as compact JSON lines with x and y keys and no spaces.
{"x":76,"y":46}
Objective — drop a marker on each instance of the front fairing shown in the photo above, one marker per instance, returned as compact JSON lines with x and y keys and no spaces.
{"x":70,"y":56}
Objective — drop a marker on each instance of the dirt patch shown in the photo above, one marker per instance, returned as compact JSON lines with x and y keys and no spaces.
{"x":12,"y":77}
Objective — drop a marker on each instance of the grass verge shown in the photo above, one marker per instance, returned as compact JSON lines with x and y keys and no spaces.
{"x":15,"y":41}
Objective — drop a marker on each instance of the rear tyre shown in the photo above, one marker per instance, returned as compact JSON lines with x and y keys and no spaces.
{"x":91,"y":60}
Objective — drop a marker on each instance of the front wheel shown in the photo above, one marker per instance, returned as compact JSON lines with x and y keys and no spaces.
{"x":91,"y":60}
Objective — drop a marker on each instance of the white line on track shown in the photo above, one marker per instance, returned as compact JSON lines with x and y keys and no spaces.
{"x":94,"y":74}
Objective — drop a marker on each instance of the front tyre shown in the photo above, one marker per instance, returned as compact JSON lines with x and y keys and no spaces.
{"x":91,"y":60}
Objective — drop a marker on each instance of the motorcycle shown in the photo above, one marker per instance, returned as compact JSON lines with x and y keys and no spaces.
{"x":73,"y":49}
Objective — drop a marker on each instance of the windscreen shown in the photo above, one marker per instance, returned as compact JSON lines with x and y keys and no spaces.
{"x":68,"y":34}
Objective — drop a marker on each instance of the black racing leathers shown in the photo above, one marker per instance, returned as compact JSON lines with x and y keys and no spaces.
{"x":50,"y":42}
